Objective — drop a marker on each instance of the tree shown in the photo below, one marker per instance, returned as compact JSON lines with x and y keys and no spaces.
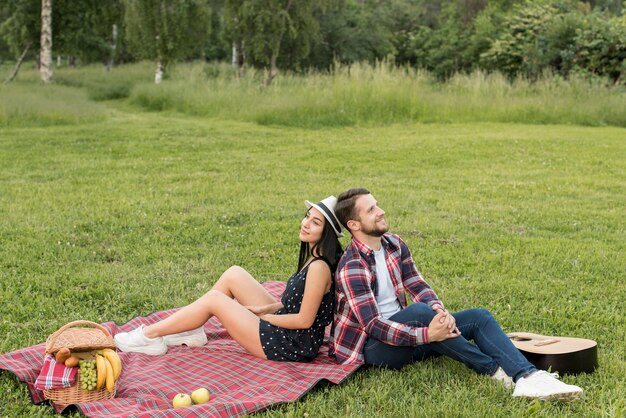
{"x":263,"y":26}
{"x":21,"y":29}
{"x":84,"y":29}
{"x":45,"y":57}
{"x":234,"y":31}
{"x":167,"y":30}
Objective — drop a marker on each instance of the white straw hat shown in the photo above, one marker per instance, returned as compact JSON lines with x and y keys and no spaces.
{"x":327,"y":208}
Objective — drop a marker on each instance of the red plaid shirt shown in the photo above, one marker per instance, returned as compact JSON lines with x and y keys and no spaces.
{"x":356,"y":312}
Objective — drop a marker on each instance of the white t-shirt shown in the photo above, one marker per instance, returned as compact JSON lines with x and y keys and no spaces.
{"x":386,"y":298}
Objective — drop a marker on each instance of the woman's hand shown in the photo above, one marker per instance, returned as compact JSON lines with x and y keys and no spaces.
{"x":260,"y":310}
{"x":257,"y":310}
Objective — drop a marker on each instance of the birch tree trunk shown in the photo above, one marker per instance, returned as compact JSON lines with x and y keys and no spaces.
{"x":273,"y":70}
{"x":113,"y":45}
{"x":158,"y":74}
{"x":241,"y":56}
{"x":45,"y":63}
{"x":18,"y":64}
{"x":238,"y":58}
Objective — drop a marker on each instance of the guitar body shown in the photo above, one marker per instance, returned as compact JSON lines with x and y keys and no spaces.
{"x":565,"y":355}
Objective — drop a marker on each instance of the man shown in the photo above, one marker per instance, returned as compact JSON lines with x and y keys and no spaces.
{"x":374,"y":325}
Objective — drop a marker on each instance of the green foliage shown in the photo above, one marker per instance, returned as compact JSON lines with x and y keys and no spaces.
{"x":168,"y":30}
{"x":518,"y":38}
{"x":21,"y":26}
{"x":514,"y":51}
{"x":356,"y":31}
{"x":601,"y":46}
{"x":561,"y":38}
{"x":269,"y":27}
{"x":83,"y":29}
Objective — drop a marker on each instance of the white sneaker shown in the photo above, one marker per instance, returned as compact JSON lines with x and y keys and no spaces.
{"x":194,"y":338}
{"x":542,"y":385}
{"x":501,"y":376}
{"x":136,"y":342}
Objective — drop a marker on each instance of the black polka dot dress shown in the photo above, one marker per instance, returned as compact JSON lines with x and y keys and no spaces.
{"x":283,"y":344}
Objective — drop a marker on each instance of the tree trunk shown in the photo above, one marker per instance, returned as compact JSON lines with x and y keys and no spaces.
{"x":239,"y":57}
{"x":18,"y":64}
{"x":158,"y":74}
{"x":111,"y":60}
{"x":71,"y":60}
{"x":273,"y":70}
{"x":58,"y":60}
{"x":45,"y":68}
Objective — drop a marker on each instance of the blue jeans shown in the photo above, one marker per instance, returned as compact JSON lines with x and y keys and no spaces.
{"x":492,"y":347}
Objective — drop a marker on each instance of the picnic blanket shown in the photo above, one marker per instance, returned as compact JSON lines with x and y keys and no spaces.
{"x":238,"y":382}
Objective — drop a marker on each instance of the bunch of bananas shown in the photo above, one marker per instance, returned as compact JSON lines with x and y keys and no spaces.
{"x":109,"y":368}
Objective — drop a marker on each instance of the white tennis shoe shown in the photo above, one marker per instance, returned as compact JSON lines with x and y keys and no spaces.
{"x":194,"y":338}
{"x":544,"y":386}
{"x":135,"y":342}
{"x":501,"y":376}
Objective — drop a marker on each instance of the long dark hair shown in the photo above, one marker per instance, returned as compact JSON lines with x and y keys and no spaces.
{"x":328,"y":248}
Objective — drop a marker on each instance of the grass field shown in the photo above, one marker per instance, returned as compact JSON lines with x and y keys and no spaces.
{"x":121,"y":212}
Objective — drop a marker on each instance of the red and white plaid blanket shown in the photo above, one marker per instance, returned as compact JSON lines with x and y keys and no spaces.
{"x":55,"y":375}
{"x":238,"y":382}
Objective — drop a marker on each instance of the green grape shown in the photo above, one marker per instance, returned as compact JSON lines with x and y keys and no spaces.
{"x":87,"y":377}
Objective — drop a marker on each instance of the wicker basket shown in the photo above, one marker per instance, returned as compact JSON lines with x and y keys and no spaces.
{"x":83,"y":341}
{"x":79,"y":339}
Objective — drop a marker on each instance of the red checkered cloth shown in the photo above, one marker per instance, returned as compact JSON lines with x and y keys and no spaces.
{"x":55,"y":375}
{"x":238,"y":382}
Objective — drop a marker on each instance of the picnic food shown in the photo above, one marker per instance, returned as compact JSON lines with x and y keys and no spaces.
{"x":83,"y":339}
{"x":101,"y":372}
{"x":182,"y":399}
{"x":62,"y":355}
{"x":110,"y":377}
{"x":201,"y":395}
{"x":72,"y":361}
{"x":114,"y":359}
{"x":87,"y":374}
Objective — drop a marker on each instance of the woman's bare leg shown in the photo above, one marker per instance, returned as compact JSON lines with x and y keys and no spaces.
{"x":241,"y":324}
{"x":234,"y":283}
{"x":237,"y":283}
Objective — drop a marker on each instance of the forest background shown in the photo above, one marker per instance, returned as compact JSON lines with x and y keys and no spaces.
{"x":444,"y":37}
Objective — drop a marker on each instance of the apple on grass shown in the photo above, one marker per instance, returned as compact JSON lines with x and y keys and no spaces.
{"x":201,"y":395}
{"x":182,"y":399}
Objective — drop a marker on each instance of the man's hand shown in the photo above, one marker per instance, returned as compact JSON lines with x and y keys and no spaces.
{"x":451,"y":320}
{"x":439,"y":328}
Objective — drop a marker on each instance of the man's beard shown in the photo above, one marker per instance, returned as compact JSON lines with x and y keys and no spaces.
{"x":376,"y":231}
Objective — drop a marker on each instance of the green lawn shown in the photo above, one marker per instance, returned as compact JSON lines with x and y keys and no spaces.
{"x":113,"y":218}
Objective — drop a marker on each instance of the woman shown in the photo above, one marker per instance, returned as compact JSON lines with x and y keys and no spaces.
{"x":289,"y":330}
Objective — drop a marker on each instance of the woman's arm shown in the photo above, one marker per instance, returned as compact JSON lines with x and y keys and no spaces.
{"x":265,"y":309}
{"x":317,"y":284}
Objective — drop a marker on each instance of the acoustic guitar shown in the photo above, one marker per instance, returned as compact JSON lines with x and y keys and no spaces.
{"x":565,"y":355}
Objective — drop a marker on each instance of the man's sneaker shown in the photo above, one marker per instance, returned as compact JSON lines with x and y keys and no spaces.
{"x":136,"y":342}
{"x":501,"y":376}
{"x":542,"y":385}
{"x":194,"y":338}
